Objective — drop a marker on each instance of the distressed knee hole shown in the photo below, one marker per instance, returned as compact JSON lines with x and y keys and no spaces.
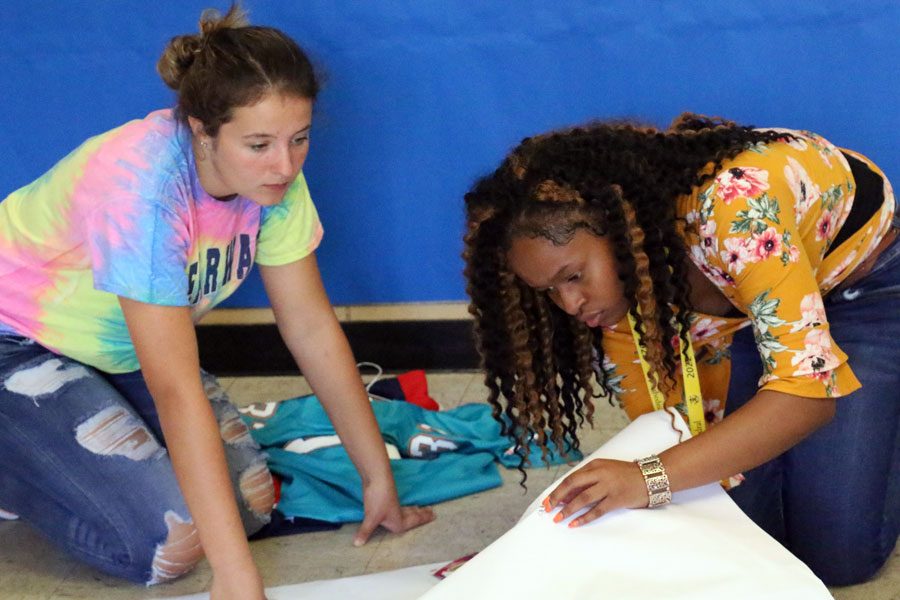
{"x":179,"y":553}
{"x":115,"y":431}
{"x":235,"y":432}
{"x":44,"y":378}
{"x":258,"y":489}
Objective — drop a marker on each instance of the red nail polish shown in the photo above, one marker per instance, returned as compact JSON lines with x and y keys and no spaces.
{"x":547,"y":506}
{"x":559,"y":517}
{"x":574,"y":523}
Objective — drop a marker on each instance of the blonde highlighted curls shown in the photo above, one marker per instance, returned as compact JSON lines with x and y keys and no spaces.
{"x":551,"y":191}
{"x":651,"y":334}
{"x":689,"y":122}
{"x":521,"y":373}
{"x":616,"y":179}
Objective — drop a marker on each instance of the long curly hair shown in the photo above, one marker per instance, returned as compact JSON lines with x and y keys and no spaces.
{"x":616,"y":179}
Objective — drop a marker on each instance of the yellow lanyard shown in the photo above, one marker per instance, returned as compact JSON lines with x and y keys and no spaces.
{"x":693,"y":398}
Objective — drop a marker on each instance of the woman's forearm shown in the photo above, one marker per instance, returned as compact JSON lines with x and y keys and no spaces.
{"x":315,"y":339}
{"x":328,"y":364}
{"x":166,"y":347}
{"x":198,"y":459}
{"x":769,"y":424}
{"x":312,"y":333}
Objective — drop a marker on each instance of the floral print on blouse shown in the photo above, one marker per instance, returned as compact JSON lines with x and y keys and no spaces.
{"x":759,"y":230}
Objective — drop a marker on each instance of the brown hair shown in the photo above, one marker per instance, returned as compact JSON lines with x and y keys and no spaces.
{"x":614,"y":179}
{"x":231,"y":64}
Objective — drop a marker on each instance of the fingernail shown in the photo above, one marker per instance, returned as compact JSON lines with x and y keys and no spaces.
{"x":559,"y":517}
{"x":574,"y":523}
{"x":547,"y":506}
{"x":358,"y":543}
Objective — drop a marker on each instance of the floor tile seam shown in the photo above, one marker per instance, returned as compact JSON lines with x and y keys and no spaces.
{"x":472,"y":379}
{"x":367,"y":568}
{"x":63,"y":581}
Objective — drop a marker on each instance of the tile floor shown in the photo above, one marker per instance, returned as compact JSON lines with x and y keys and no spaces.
{"x":32,"y":569}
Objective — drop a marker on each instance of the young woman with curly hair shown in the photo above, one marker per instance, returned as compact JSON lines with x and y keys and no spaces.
{"x":610,"y":260}
{"x":116,"y":446}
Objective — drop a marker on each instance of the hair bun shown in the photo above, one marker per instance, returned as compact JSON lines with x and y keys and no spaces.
{"x":211,"y":20}
{"x":177,"y":58}
{"x":182,"y":50}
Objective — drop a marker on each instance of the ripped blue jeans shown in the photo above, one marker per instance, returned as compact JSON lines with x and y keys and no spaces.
{"x":84,"y":462}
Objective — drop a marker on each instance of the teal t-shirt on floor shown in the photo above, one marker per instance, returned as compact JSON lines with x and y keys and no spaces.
{"x":443,"y":455}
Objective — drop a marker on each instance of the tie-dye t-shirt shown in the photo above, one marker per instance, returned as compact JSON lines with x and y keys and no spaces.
{"x":125,"y":215}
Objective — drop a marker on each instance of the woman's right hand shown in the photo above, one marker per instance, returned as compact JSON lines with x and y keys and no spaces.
{"x":237,"y":584}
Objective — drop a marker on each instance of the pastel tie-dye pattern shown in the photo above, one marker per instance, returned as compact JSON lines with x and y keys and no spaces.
{"x":125,"y":215}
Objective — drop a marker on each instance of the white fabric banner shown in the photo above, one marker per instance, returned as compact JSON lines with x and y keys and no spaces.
{"x":700,"y":547}
{"x":401,"y":584}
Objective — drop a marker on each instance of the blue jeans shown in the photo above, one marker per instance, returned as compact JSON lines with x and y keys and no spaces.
{"x":84,"y":462}
{"x":834,"y":498}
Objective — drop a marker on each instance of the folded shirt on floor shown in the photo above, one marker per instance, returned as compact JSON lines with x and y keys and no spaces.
{"x":442,"y":455}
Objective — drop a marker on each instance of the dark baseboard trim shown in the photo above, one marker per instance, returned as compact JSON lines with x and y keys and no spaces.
{"x":247,"y":350}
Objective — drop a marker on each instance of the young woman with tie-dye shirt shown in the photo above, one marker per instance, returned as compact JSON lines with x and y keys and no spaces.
{"x":116,"y":445}
{"x":603,"y":253}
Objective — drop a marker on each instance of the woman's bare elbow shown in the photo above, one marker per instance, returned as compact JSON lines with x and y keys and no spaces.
{"x":826,"y":409}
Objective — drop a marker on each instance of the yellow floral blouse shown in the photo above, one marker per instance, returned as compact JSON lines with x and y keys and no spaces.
{"x":759,"y":231}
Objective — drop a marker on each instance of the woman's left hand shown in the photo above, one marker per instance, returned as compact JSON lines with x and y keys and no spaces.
{"x":382,"y":507}
{"x":314,"y":336}
{"x":605,"y":484}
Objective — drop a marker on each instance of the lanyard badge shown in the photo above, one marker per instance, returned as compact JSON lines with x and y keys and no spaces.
{"x":693,"y":398}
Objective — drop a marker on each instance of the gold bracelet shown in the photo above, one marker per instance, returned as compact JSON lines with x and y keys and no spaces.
{"x":658,"y":492}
